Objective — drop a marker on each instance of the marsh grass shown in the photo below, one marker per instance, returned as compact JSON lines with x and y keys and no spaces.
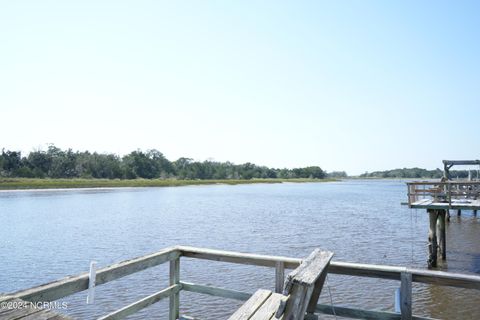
{"x":27,"y":183}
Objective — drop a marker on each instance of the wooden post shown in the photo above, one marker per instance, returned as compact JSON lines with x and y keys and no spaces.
{"x":315,"y":295}
{"x":279,"y":276}
{"x":446,"y":172}
{"x":441,"y":233}
{"x":406,"y":295}
{"x":432,"y":238}
{"x":304,"y":285}
{"x":459,"y":212}
{"x":449,"y":194}
{"x":174,"y":311}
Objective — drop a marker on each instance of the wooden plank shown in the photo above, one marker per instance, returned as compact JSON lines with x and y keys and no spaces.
{"x":353,"y":313}
{"x":46,"y":315}
{"x":316,"y":293}
{"x":446,"y":206}
{"x":418,"y":275}
{"x":297,"y":302}
{"x":238,"y":257}
{"x":215,"y":291}
{"x":406,"y":296}
{"x":252,"y":305}
{"x":446,"y":278}
{"x":269,"y":307}
{"x":344,"y":268}
{"x":17,"y":313}
{"x":422,"y":202}
{"x":311,"y":268}
{"x":461,"y":162}
{"x":365,"y":270}
{"x":142,"y":303}
{"x":341,"y":268}
{"x":73,"y":284}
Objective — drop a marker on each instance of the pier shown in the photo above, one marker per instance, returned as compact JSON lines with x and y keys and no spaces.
{"x":438,"y":198}
{"x":405,"y":276}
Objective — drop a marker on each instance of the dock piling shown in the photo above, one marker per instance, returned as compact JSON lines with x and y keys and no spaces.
{"x":432,"y":239}
{"x":442,"y":234}
{"x":437,"y":240}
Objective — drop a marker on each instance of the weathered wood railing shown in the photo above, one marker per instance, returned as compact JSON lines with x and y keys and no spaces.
{"x":70,"y":285}
{"x":443,"y":191}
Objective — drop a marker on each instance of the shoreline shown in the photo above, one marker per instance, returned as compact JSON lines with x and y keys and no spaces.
{"x":67,"y":189}
{"x":28,"y":184}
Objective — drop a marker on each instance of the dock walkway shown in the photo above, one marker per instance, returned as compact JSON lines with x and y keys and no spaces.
{"x":17,"y":309}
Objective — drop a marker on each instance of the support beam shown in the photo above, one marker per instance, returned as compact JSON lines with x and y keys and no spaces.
{"x":174,"y":311}
{"x":142,"y":303}
{"x":279,"y":276}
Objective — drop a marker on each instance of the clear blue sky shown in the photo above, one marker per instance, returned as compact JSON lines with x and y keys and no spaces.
{"x":346,"y":85}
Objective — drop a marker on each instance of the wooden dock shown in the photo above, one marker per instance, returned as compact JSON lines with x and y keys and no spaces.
{"x":459,"y":195}
{"x":405,"y":276}
{"x":455,"y":204}
{"x":438,"y":198}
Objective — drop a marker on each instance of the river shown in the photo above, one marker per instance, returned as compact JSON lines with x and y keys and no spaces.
{"x":47,"y":235}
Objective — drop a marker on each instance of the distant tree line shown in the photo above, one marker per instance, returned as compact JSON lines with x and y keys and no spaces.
{"x":337,"y":174}
{"x":150,"y":164}
{"x":415,"y":173}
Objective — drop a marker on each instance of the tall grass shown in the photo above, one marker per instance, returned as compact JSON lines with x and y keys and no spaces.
{"x":26,"y":183}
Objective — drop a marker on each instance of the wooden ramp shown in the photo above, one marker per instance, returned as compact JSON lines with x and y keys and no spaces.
{"x":302,"y":290}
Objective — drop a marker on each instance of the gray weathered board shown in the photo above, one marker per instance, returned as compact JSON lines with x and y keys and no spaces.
{"x":302,"y":289}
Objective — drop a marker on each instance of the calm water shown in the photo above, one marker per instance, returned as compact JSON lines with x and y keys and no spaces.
{"x":47,"y":235}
